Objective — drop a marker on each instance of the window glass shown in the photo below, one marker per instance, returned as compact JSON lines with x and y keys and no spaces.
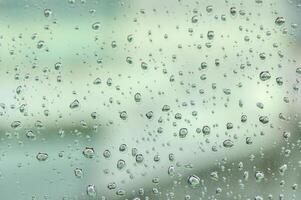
{"x":150,"y":99}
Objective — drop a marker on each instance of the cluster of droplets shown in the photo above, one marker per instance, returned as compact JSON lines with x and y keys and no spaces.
{"x":170,"y":103}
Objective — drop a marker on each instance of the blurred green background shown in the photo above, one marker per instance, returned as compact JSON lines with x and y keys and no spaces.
{"x":49,"y":59}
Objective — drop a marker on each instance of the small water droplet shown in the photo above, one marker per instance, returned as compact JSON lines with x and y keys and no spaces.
{"x":91,"y":190}
{"x":259,"y":175}
{"x":106,"y":153}
{"x":47,"y":12}
{"x":137,"y":97}
{"x":97,"y":81}
{"x":30,"y":135}
{"x":228,"y":143}
{"x":78,"y":173}
{"x":42,"y":156}
{"x":130,"y":38}
{"x":139,"y":158}
{"x":206,"y":130}
{"x":264,"y":119}
{"x":58,"y":66}
{"x":194,"y":19}
{"x":96,"y":25}
{"x":123,"y":115}
{"x":120,"y":164}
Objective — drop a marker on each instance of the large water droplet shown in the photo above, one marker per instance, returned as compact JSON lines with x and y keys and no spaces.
{"x":279,"y":21}
{"x":42,"y":156}
{"x":88,"y":152}
{"x":194,"y":181}
{"x":74,"y":104}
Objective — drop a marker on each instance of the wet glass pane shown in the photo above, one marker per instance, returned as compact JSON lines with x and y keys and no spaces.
{"x":150,"y":99}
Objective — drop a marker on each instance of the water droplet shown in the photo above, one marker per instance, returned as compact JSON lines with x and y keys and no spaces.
{"x":130,"y":38}
{"x":259,"y":1}
{"x":214,"y":176}
{"x":210,"y":35}
{"x":229,"y":125}
{"x":194,"y":181}
{"x":282,"y":169}
{"x":78,"y":173}
{"x":157,"y":158}
{"x":106,"y":153}
{"x":227,"y":91}
{"x":120,"y":192}
{"x":134,"y":151}
{"x":58,"y":66}
{"x":243,"y":118}
{"x":123,"y":115}
{"x":144,"y":65}
{"x":74,"y":104}
{"x":178,"y":116}
{"x":47,"y":12}
{"x":249,"y":140}
{"x":112,"y":186}
{"x":166,"y":108}
{"x":97,"y":81}
{"x":218,"y":190}
{"x":194,"y":19}
{"x":295,"y":186}
{"x":137,"y":97}
{"x":246,"y":175}
{"x":183,"y":132}
{"x":149,"y":114}
{"x":259,"y":175}
{"x":286,"y":135}
{"x":30,"y":135}
{"x":91,"y":191}
{"x":258,"y":198}
{"x":40,"y":44}
{"x":120,"y":164}
{"x":279,"y":21}
{"x":88,"y":152}
{"x":113,"y":44}
{"x":129,"y":60}
{"x":206,"y":130}
{"x":264,"y":119}
{"x":209,"y":9}
{"x":42,"y":156}
{"x":233,"y":11}
{"x":171,"y":170}
{"x":228,"y":143}
{"x":265,"y":75}
{"x":260,"y":105}
{"x":279,"y":81}
{"x":123,"y":147}
{"x":16,"y":124}
{"x":139,"y":158}
{"x":96,"y":25}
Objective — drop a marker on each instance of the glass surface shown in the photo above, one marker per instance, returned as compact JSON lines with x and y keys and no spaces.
{"x":150,"y":99}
